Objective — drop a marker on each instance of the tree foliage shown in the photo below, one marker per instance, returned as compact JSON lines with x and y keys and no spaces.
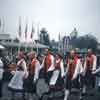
{"x":86,"y":41}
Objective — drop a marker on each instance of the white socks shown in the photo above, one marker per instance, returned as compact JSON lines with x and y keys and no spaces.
{"x":66,"y":94}
{"x":84,"y":89}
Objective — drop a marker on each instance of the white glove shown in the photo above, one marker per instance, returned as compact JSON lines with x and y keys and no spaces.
{"x":12,"y":72}
{"x":35,"y":79}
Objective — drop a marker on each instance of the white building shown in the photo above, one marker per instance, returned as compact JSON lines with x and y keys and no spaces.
{"x":13,"y":44}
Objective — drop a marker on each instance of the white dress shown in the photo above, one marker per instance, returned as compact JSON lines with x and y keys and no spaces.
{"x":16,"y":82}
{"x":1,"y":69}
{"x":56,"y":73}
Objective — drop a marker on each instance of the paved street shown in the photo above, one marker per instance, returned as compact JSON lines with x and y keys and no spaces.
{"x":7,"y":95}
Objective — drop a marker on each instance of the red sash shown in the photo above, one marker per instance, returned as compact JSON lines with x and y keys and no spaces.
{"x":57,"y":65}
{"x":19,"y":65}
{"x":32,"y":66}
{"x":47,"y":62}
{"x":89,"y":62}
{"x":72,"y":67}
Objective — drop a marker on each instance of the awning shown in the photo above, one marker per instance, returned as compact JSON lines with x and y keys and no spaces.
{"x":30,"y":45}
{"x":2,"y":47}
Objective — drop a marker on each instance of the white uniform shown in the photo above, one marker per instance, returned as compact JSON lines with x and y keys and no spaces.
{"x":57,"y":72}
{"x":1,"y":69}
{"x":16,"y":82}
{"x":93,"y":65}
{"x":51,"y":68}
{"x":78,"y":70}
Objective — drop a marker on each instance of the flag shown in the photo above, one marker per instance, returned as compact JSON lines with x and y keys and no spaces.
{"x":0,"y":23}
{"x":20,"y":29}
{"x":26,"y":29}
{"x":32,"y":32}
{"x":59,"y":38}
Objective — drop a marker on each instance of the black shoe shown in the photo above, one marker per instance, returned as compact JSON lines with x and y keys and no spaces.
{"x":84,"y":94}
{"x":12,"y":99}
{"x":23,"y":98}
{"x":91,"y":94}
{"x":0,"y":96}
{"x":81,"y":99}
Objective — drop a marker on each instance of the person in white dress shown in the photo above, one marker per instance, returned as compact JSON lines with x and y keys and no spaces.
{"x":16,"y":83}
{"x":1,"y":76}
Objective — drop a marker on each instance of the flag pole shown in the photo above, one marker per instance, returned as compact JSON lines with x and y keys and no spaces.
{"x":19,"y":47}
{"x":38,"y":32}
{"x":25,"y":46}
{"x":26,"y":29}
{"x":19,"y":34}
{"x":32,"y":37}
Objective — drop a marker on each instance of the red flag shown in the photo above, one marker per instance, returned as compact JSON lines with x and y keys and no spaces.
{"x":19,"y":30}
{"x":26,"y":28}
{"x":32,"y":32}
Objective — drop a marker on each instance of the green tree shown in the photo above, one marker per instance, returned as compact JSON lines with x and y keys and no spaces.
{"x":86,"y":41}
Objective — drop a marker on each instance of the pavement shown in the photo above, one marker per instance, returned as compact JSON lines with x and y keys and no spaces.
{"x":7,"y":95}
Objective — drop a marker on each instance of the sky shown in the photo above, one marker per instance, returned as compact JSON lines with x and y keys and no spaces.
{"x":57,"y":16}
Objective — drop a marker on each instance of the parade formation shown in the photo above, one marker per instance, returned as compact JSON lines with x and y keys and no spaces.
{"x":47,"y":73}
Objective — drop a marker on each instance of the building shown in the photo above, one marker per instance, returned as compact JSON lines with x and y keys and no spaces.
{"x":5,"y":38}
{"x":13,"y":45}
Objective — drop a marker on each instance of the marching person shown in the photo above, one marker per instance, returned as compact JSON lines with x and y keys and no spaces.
{"x":96,"y":72}
{"x":48,"y":65}
{"x":16,"y":83}
{"x":1,"y":76}
{"x":57,"y":79}
{"x":89,"y":68}
{"x":33,"y":69}
{"x":74,"y":68}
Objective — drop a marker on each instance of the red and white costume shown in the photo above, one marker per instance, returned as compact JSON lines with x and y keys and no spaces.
{"x":89,"y":67}
{"x":34,"y":68}
{"x":48,"y":63}
{"x":90,"y":63}
{"x":30,"y":81}
{"x":16,"y":82}
{"x":48,"y":66}
{"x":58,"y":73}
{"x":74,"y":68}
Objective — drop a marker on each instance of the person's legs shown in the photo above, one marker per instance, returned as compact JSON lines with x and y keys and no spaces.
{"x":68,"y":88}
{"x":83,"y":86}
{"x":93,"y":81}
{"x":0,"y":88}
{"x":23,"y":95}
{"x":12,"y":95}
{"x":66,"y":94}
{"x":30,"y":96}
{"x":48,"y":76}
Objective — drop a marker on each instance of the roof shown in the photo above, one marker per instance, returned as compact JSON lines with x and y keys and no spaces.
{"x":30,"y":45}
{"x":4,"y":36}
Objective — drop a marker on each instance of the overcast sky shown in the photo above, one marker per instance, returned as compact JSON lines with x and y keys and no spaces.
{"x":56,"y":15}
